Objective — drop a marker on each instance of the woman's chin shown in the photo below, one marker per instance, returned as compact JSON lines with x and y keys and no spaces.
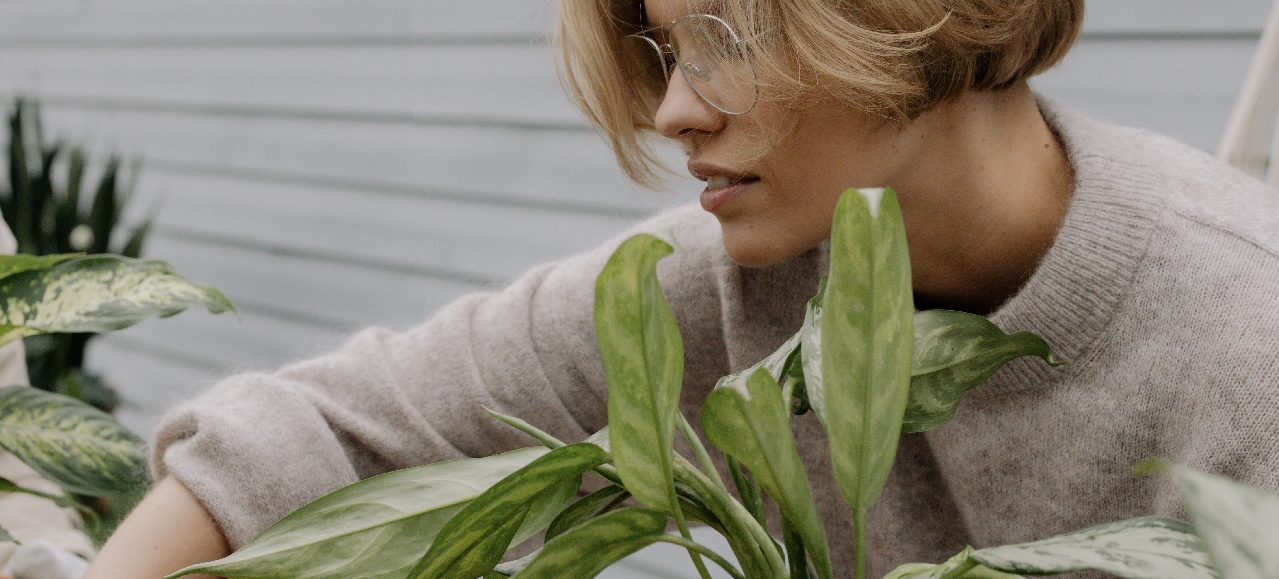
{"x":756,"y":250}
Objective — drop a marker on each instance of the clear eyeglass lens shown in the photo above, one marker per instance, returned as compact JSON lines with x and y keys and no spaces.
{"x":711,"y":58}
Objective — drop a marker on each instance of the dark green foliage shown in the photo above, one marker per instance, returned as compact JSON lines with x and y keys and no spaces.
{"x":43,"y":206}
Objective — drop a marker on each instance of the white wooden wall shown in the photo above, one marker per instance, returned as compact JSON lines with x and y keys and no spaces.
{"x":332,"y":164}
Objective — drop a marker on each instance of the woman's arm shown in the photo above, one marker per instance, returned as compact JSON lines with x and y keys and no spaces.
{"x":169,"y":530}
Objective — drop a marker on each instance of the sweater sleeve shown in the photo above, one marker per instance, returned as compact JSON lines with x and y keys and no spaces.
{"x":259,"y":445}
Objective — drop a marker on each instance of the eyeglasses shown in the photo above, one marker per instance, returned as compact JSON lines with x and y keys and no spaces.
{"x":706,"y":51}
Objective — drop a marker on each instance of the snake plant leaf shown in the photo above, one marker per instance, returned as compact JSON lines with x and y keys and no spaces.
{"x":644,"y":362}
{"x":77,"y":446}
{"x":98,"y":293}
{"x":1141,"y":548}
{"x":587,"y":508}
{"x":11,"y":264}
{"x":866,"y":322}
{"x":588,"y":549}
{"x":1237,"y":523}
{"x":954,"y":353}
{"x":473,"y":542}
{"x":749,"y":420}
{"x":376,"y":528}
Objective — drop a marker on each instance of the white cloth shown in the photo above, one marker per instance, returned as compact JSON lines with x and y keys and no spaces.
{"x":44,"y":560}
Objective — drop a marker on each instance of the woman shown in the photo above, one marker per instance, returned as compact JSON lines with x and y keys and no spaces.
{"x":1149,"y":265}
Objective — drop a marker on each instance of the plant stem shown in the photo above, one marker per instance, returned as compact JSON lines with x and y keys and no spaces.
{"x":712,"y":555}
{"x":747,"y":488}
{"x":546,"y":439}
{"x":734,"y":512}
{"x":683,"y":530}
{"x":859,"y":543}
{"x":700,"y":451}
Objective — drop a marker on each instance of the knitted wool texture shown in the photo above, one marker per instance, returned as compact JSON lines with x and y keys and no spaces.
{"x":1161,"y":289}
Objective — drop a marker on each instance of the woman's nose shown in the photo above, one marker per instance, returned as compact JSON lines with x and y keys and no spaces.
{"x":684,"y":113}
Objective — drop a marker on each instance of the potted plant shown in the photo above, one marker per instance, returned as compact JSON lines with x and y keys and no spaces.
{"x":864,"y":362}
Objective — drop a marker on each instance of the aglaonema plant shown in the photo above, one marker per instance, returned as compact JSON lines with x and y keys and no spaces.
{"x":864,"y":362}
{"x":80,"y":448}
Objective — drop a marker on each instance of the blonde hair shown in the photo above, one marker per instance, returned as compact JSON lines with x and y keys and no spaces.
{"x":893,"y":58}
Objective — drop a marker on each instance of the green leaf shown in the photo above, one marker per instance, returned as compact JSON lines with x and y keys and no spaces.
{"x":11,"y":264}
{"x":644,"y":361}
{"x":473,"y":542}
{"x":587,"y":508}
{"x":586,"y":550}
{"x":866,"y":321}
{"x":75,"y":445}
{"x":777,"y":364}
{"x":100,"y":293}
{"x":748,"y":419}
{"x":954,"y":353}
{"x":1239,"y":524}
{"x":376,"y":528}
{"x":6,"y":537}
{"x":1141,"y":548}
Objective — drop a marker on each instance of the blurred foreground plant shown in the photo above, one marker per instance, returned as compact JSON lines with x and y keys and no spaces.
{"x":82,"y":449}
{"x":864,"y":362}
{"x":48,"y":216}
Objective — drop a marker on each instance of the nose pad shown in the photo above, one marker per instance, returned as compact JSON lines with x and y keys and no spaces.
{"x":683,"y":111}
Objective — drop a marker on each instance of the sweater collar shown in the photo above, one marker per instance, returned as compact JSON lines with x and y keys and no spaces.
{"x":1079,"y":284}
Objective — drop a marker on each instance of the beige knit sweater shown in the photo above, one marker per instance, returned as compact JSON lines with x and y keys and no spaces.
{"x":1162,"y":289}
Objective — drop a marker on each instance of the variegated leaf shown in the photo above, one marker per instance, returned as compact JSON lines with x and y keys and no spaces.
{"x":75,"y":445}
{"x":377,"y":528}
{"x":97,"y":293}
{"x":11,"y":264}
{"x":954,"y":353}
{"x":1239,"y":524}
{"x":1141,"y":548}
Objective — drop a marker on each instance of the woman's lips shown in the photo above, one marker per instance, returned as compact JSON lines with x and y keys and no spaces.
{"x":713,"y":199}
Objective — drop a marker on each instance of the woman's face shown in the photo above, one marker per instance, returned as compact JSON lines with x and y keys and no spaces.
{"x":775,"y":200}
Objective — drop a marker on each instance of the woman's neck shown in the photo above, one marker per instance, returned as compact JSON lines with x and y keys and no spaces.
{"x":983,"y":192}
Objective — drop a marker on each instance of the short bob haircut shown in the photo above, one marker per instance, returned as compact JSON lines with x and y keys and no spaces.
{"x":892,"y":58}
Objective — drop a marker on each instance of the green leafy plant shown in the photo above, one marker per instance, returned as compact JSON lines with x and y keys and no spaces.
{"x":864,"y":362}
{"x":82,"y":449}
{"x":49,"y":211}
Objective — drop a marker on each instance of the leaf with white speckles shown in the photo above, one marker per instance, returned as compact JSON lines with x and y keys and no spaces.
{"x":71,"y":443}
{"x":1236,"y":521}
{"x":97,"y":293}
{"x":1141,"y":548}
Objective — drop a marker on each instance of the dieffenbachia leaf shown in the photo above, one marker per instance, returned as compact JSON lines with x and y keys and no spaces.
{"x":587,"y":508}
{"x":97,"y":293}
{"x":1141,"y":548}
{"x":77,"y":446}
{"x":958,"y":567}
{"x":866,"y":321}
{"x":1239,"y":524}
{"x":748,"y":419}
{"x":644,"y":361}
{"x":11,"y":264}
{"x":588,"y":549}
{"x":376,"y":528}
{"x":954,"y":353}
{"x":473,"y":541}
{"x":778,"y":364}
